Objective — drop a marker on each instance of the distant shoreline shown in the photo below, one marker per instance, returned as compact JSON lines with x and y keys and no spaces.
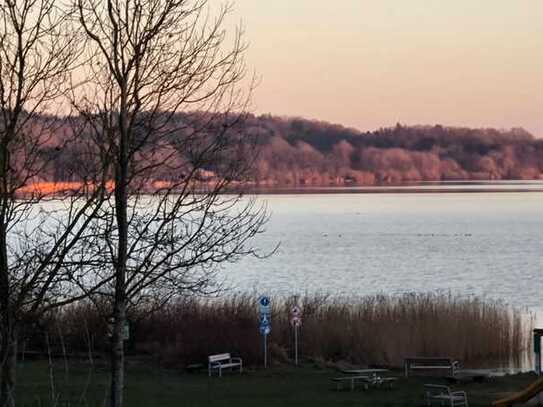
{"x":381,"y":190}
{"x":422,"y":187}
{"x":52,"y":189}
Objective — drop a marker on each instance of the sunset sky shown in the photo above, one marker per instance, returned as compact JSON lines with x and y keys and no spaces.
{"x":372,"y":63}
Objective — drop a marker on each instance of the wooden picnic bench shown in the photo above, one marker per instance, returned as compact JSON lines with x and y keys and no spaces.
{"x":223,"y":361}
{"x":368,"y":377}
{"x":468,"y":376}
{"x":430,"y":363}
{"x":384,"y":381}
{"x":352,"y":380}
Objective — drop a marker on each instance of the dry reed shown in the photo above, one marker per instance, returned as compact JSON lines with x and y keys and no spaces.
{"x":375,"y":330}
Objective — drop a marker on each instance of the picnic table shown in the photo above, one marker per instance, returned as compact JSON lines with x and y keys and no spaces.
{"x":352,"y":380}
{"x":372,"y":377}
{"x":469,"y":375}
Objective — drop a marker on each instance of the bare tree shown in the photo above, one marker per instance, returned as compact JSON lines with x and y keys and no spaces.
{"x":164,"y":99}
{"x":38,"y":227}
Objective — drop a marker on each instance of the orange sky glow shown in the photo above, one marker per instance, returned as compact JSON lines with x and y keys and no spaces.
{"x":373,"y":63}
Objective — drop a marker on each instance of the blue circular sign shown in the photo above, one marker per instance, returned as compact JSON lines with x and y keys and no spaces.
{"x":264,"y":321}
{"x":264,"y":301}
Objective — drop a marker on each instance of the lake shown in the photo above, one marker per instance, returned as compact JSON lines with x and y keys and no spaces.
{"x":467,"y":239}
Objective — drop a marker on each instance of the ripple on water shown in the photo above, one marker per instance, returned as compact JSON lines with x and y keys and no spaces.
{"x":485,"y":244}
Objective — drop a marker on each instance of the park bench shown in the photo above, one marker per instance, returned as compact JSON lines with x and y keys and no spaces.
{"x":430,"y":363}
{"x":443,"y":396}
{"x":223,"y":361}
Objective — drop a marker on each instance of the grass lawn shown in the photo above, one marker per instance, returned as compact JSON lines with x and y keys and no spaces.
{"x":277,"y":387}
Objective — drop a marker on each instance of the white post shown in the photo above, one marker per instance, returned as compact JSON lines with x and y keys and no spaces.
{"x":296,"y":344}
{"x":265,"y":351}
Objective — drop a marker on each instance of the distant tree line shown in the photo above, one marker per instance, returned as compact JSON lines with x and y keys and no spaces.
{"x":298,"y":152}
{"x":303,"y":152}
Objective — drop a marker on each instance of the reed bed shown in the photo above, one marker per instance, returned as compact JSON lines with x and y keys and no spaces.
{"x":374,"y":330}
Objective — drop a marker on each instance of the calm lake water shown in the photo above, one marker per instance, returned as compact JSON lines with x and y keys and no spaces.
{"x":488,"y":244}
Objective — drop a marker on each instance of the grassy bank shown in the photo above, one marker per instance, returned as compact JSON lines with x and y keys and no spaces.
{"x":309,"y":385}
{"x":377,"y":330}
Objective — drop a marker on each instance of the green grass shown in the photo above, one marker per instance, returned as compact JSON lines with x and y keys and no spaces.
{"x":275,"y":387}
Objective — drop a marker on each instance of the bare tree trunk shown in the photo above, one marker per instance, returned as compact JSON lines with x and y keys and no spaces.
{"x":9,"y":365}
{"x":117,"y":357}
{"x":8,"y":346}
{"x":119,"y":307}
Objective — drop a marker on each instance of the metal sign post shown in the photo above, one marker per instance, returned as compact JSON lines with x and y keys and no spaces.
{"x":265,"y":351}
{"x":296,"y":322}
{"x":265,"y":324}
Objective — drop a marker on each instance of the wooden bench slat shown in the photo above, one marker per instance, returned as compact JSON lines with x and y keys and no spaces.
{"x":216,"y":358}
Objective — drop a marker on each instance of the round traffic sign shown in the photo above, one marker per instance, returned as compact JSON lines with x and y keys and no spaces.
{"x":264,"y":305}
{"x":264,"y":321}
{"x":295,"y":311}
{"x":296,"y":321}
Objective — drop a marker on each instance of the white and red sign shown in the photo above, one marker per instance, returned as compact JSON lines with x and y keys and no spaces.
{"x":295,"y":316}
